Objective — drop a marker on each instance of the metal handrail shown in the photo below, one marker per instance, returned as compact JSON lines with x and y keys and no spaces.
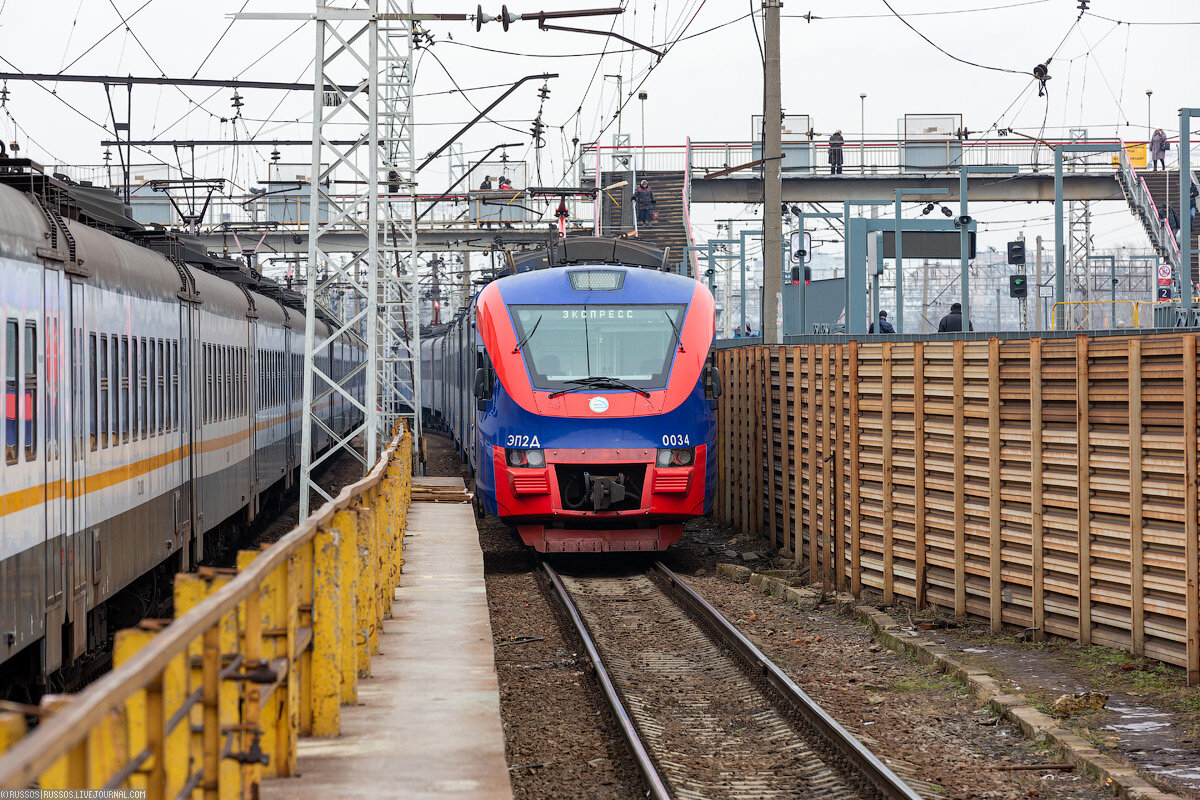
{"x":1140,"y":196}
{"x":1087,"y":305}
{"x":68,"y":729}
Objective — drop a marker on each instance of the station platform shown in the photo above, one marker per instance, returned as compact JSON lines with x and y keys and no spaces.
{"x":427,"y":723}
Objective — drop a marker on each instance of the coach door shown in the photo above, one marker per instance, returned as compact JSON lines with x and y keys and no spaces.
{"x":77,"y":546}
{"x":179,"y":398}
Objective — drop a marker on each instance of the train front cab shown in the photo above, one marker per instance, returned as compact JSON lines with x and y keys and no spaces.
{"x":604,"y":465}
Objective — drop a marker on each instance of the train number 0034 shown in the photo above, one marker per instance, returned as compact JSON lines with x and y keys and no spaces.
{"x":676,"y":440}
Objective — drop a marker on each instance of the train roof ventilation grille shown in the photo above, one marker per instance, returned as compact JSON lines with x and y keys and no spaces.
{"x":596,"y":280}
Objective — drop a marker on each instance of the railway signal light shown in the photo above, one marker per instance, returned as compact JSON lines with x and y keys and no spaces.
{"x":1016,"y":253}
{"x":1017,"y":286}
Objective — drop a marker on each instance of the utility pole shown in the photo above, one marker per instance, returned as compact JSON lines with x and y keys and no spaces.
{"x":772,"y":177}
{"x":925,"y":297}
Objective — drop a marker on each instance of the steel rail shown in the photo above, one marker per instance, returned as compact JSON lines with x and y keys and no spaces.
{"x":867,"y":763}
{"x":656,"y":787}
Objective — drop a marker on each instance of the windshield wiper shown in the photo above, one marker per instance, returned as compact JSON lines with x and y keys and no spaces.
{"x":600,"y":382}
{"x":529,"y":335}
{"x":678,"y":340}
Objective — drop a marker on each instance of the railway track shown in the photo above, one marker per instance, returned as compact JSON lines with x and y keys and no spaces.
{"x":704,"y":712}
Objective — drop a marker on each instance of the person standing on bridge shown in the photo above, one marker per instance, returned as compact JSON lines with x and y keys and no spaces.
{"x":486,"y":186}
{"x":644,"y":201}
{"x":1158,"y":148}
{"x":884,"y":325}
{"x":835,"y":152}
{"x":954,"y":320}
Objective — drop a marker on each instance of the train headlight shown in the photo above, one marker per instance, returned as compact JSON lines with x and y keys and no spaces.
{"x":676,"y":456}
{"x":525,"y":458}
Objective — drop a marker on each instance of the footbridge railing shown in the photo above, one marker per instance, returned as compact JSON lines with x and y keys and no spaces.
{"x":1047,"y":484}
{"x":256,"y":657}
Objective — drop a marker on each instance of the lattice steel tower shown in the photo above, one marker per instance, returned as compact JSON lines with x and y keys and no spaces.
{"x":371,"y":295}
{"x":1079,"y":247}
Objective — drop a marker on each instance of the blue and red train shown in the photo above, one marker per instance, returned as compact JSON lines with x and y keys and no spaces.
{"x":578,"y":389}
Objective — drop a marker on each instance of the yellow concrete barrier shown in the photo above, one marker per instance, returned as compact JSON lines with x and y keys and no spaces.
{"x":218,"y":699}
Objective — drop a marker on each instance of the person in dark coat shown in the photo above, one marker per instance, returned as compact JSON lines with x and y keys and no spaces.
{"x":1193,"y":192}
{"x":835,"y":153}
{"x":486,"y":186}
{"x":1173,"y":220}
{"x":1158,"y":148}
{"x":644,"y":201}
{"x":884,"y":325}
{"x":954,"y":320}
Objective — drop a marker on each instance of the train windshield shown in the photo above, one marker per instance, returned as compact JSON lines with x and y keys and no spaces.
{"x":563,"y":343}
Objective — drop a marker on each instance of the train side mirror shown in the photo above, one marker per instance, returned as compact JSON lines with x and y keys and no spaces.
{"x":481,"y":388}
{"x":712,"y":383}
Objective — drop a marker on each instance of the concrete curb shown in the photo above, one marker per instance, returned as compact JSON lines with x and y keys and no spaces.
{"x":1036,"y":725}
{"x":1120,"y":778}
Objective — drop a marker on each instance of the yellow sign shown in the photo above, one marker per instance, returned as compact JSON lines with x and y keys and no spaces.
{"x":1137,"y":156}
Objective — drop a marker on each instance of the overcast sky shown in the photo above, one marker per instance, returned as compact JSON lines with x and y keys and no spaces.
{"x":707,"y":87}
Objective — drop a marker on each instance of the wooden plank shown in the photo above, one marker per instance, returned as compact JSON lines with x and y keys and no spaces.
{"x":960,"y":517}
{"x":719,"y":448}
{"x":826,"y":471}
{"x":888,"y":508}
{"x":786,"y":428}
{"x":740,"y":437}
{"x":855,"y":461}
{"x":812,"y":463}
{"x":1037,"y":531}
{"x":1083,"y":477}
{"x":919,"y":521}
{"x":995,"y":597}
{"x":1191,"y":547}
{"x":726,"y":445}
{"x":798,"y":457}
{"x":735,"y":416}
{"x":1137,"y":598}
{"x":753,"y":463}
{"x":769,"y":356}
{"x":839,"y":550}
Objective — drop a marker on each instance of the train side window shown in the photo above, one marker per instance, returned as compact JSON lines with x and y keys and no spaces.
{"x":115,"y":387}
{"x":52,"y":387}
{"x":175,"y":384}
{"x":133,"y":388}
{"x":91,"y":393}
{"x":104,"y":391}
{"x":125,"y":403}
{"x":11,"y":347}
{"x":31,"y":392}
{"x":208,"y":383}
{"x":154,"y":410}
{"x":159,"y":383}
{"x":143,"y":402}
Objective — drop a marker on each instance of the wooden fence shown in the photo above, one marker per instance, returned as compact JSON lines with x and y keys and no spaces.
{"x":953,"y":474}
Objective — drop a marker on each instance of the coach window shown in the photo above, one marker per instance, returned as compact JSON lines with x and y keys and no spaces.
{"x":91,"y":394}
{"x":159,"y":379}
{"x":30,"y":393}
{"x":115,"y":387}
{"x":124,"y":375}
{"x":103,"y":391}
{"x":143,"y":394}
{"x":11,"y":347}
{"x":174,"y":384}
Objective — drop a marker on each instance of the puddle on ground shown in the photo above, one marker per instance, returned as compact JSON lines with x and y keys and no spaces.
{"x":1148,"y":737}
